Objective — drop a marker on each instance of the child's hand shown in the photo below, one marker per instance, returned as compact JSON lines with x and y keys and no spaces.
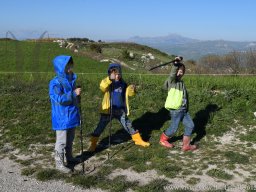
{"x":112,"y":76}
{"x":133,"y":87}
{"x":178,"y":59}
{"x":78,"y":91}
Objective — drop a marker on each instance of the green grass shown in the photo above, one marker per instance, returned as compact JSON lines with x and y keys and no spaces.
{"x":215,"y":104}
{"x":88,"y":181}
{"x":234,"y":157}
{"x":193,"y":181}
{"x":28,"y":171}
{"x":155,"y":185}
{"x":220,"y":174}
{"x":20,"y":56}
{"x":250,"y":137}
{"x":49,"y":174}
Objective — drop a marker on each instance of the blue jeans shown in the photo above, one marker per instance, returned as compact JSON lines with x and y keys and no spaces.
{"x":176,"y":117}
{"x":120,"y":116}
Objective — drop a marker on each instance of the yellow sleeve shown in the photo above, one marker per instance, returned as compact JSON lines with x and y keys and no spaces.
{"x":130,"y":91}
{"x":104,"y":84}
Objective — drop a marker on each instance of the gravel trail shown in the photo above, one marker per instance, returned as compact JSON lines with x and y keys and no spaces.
{"x":11,"y":180}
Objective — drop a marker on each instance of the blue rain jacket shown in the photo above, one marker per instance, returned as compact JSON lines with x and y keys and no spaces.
{"x":65,"y":111}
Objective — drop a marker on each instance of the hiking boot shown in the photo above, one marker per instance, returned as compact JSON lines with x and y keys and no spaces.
{"x":59,"y":163}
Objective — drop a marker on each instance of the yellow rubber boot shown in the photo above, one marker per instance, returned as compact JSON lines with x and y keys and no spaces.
{"x":138,"y":140}
{"x":93,"y":146}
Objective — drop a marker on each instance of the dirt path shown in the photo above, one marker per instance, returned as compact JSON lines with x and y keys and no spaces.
{"x":11,"y":180}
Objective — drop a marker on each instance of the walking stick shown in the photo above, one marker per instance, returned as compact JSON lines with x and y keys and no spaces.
{"x":110,"y":116}
{"x":176,"y":59}
{"x":81,"y":127}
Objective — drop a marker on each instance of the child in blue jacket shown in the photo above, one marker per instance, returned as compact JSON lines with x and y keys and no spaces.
{"x":65,"y":111}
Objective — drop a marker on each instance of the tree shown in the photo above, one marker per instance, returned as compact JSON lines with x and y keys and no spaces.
{"x":233,"y":62}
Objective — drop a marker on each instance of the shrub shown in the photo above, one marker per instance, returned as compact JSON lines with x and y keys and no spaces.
{"x":96,"y":47}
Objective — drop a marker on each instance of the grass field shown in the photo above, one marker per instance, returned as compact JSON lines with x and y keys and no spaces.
{"x":20,"y":56}
{"x":36,"y":56}
{"x":221,"y":107}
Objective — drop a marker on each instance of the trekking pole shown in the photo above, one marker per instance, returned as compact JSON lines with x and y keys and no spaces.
{"x":180,"y":59}
{"x":110,"y":116}
{"x":81,"y":128}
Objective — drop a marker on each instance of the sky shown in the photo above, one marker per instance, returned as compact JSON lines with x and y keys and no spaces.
{"x":232,"y":20}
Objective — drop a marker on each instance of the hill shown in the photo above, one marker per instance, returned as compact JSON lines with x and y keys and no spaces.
{"x":173,"y":39}
{"x":193,"y":48}
{"x":134,"y":56}
{"x":36,"y":55}
{"x":33,"y":56}
{"x":197,"y":50}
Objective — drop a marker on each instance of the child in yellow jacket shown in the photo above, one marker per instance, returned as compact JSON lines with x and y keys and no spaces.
{"x":115,"y":105}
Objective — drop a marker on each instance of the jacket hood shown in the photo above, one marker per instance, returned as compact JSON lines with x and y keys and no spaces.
{"x":60,"y":63}
{"x":115,"y":65}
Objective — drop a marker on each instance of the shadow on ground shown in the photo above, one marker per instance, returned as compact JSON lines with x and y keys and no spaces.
{"x":145,"y":125}
{"x":153,"y":121}
{"x":201,"y":119}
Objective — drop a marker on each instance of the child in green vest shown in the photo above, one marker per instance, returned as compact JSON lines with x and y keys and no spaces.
{"x":177,"y":104}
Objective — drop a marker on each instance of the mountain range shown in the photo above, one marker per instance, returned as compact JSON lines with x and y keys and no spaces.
{"x":192,"y":48}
